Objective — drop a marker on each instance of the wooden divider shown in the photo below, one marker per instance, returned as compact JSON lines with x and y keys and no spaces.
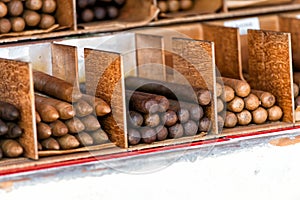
{"x":65,"y":62}
{"x":270,"y":67}
{"x":291,"y":24}
{"x":227,"y":49}
{"x":16,"y":86}
{"x":149,"y":52}
{"x":104,"y":79}
{"x":194,"y":59}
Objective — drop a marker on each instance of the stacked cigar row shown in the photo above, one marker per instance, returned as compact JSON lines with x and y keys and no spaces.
{"x":18,"y":15}
{"x":9,"y":131}
{"x":296,"y":84}
{"x":155,"y":114}
{"x":97,"y":10}
{"x":245,"y":105}
{"x":66,"y":118}
{"x":170,"y":6}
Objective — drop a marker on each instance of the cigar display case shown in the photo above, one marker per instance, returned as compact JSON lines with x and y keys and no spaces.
{"x":79,"y":17}
{"x":112,"y":94}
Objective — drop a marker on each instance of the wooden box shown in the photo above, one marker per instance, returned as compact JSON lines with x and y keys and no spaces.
{"x":55,"y":59}
{"x":262,"y":57}
{"x":105,"y":73}
{"x":233,"y":53}
{"x":65,"y":16}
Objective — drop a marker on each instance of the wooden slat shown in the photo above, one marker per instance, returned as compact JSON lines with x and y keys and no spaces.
{"x":270,"y":67}
{"x":240,"y":130}
{"x":150,"y":57}
{"x":65,"y":13}
{"x":16,"y":87}
{"x":194,"y":59}
{"x":227,"y":48}
{"x":104,"y":79}
{"x":292,"y":25}
{"x":65,"y":63}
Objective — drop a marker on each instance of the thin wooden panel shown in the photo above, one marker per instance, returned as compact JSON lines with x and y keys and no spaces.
{"x":270,"y":67}
{"x":104,"y":79}
{"x":16,"y":87}
{"x":65,"y":63}
{"x":65,"y":13}
{"x":149,"y":50}
{"x":292,"y":25}
{"x":227,"y":49}
{"x":234,"y":4}
{"x":194,"y":59}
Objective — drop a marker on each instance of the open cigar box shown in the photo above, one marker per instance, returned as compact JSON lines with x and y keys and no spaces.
{"x":255,"y":56}
{"x":103,"y":68}
{"x":193,"y":55}
{"x":64,"y":15}
{"x":136,"y":57}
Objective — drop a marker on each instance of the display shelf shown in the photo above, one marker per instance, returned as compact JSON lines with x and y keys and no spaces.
{"x":24,"y":167}
{"x":160,"y":22}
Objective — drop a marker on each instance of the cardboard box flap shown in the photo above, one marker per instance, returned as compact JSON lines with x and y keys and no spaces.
{"x":232,"y":4}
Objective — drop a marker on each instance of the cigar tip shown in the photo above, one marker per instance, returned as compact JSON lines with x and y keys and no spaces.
{"x":14,"y":114}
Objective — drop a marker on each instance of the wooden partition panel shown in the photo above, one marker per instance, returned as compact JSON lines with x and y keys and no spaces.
{"x":65,"y":63}
{"x":292,"y":25}
{"x":227,"y":49}
{"x":270,"y":67}
{"x":16,"y":86}
{"x":194,"y":59}
{"x":150,"y":57}
{"x":105,"y":80}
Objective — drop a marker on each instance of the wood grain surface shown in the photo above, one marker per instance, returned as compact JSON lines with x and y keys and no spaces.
{"x":16,"y":87}
{"x":292,"y":25}
{"x":150,"y":58}
{"x":270,"y":67}
{"x":227,"y":48}
{"x":65,"y":13}
{"x":194,"y":59}
{"x":104,"y":79}
{"x":65,"y":63}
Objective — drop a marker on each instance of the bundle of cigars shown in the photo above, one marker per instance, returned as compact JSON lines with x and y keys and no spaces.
{"x":156,"y":114}
{"x":20,"y":15}
{"x":98,"y":10}
{"x":171,"y":6}
{"x":10,"y":131}
{"x":247,"y":106}
{"x":66,"y":118}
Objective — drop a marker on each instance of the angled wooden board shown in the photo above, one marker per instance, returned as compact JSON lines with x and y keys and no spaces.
{"x":292,"y":25}
{"x":270,"y":67}
{"x":66,"y":13}
{"x":104,"y":79}
{"x":16,"y":87}
{"x":65,"y":62}
{"x":194,"y":59}
{"x":150,"y":57}
{"x":227,"y":49}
